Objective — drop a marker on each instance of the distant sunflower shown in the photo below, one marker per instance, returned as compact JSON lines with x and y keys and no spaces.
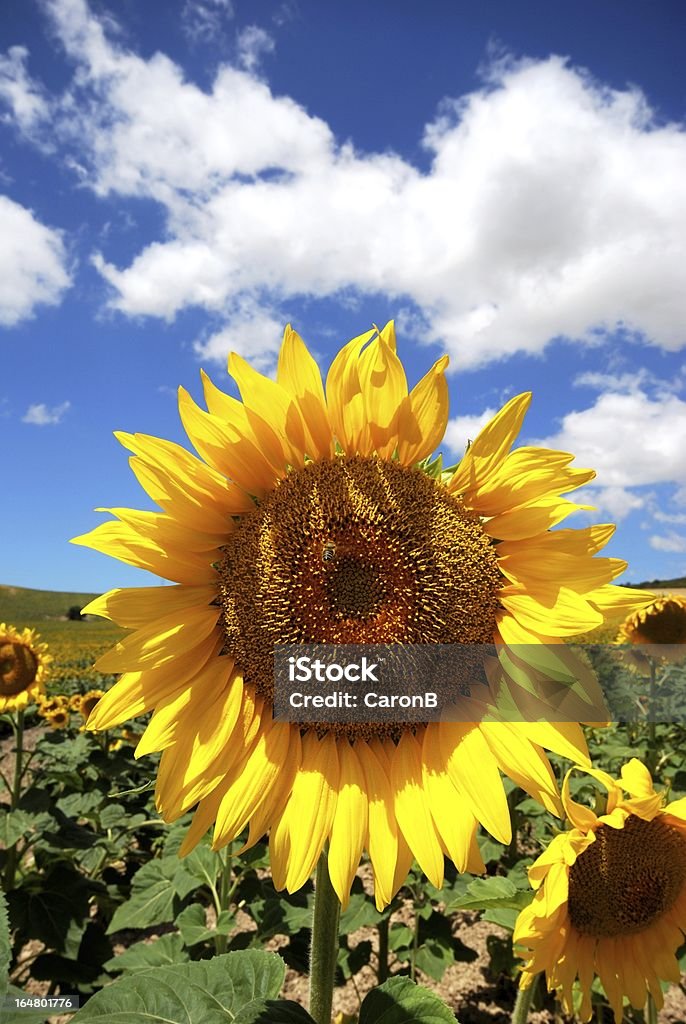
{"x":465,"y":556}
{"x":659,"y":624}
{"x":23,"y":668}
{"x":46,"y":705}
{"x":89,"y":702}
{"x":58,"y":719}
{"x":611,"y":896}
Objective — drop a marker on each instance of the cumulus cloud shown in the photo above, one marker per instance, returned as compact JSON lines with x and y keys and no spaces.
{"x":32,"y":263}
{"x":652,"y":429}
{"x":250,"y":330}
{"x":42,"y":415}
{"x":553,"y":206}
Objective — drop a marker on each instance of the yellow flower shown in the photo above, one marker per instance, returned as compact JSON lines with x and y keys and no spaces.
{"x":660,"y":622}
{"x":58,"y":719}
{"x":46,"y":705}
{"x":611,"y":896}
{"x":89,"y":701}
{"x":23,"y":668}
{"x":313,"y":518}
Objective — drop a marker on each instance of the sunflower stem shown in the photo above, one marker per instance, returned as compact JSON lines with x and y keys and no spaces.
{"x":523,"y":1003}
{"x":382,"y":971}
{"x":15,"y":794}
{"x":652,"y":731}
{"x":324,"y":947}
{"x":651,"y":1010}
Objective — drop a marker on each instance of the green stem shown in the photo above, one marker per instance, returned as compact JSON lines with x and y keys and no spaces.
{"x":415,"y":944}
{"x":523,"y":1003}
{"x":15,"y":793}
{"x":652,"y":731}
{"x":382,"y":971}
{"x":221,"y":941}
{"x":324,"y":948}
{"x":651,"y":1010}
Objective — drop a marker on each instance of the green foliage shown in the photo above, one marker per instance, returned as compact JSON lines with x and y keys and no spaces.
{"x":400,"y":1001}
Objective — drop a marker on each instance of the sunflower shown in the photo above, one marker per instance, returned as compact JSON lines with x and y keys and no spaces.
{"x":660,"y":622}
{"x":421,"y":556}
{"x":611,"y":896}
{"x":47,"y":705}
{"x":88,"y":702}
{"x":58,"y":719}
{"x":23,"y":668}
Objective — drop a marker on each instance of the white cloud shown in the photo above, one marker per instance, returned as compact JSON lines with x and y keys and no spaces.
{"x":651,"y":429}
{"x":252,"y":43}
{"x":250,"y":331}
{"x":462,"y":429}
{"x":41,"y":415}
{"x":32,"y":263}
{"x":673,"y":542}
{"x":618,"y":502}
{"x":25,"y":99}
{"x":678,"y":518}
{"x":553,"y":206}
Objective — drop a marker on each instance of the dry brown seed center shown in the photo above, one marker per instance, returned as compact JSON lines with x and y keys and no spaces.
{"x":355,"y":550}
{"x":627,"y":878}
{"x":18,"y":667}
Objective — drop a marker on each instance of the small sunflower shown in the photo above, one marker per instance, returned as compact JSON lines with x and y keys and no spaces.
{"x":88,"y":702}
{"x":58,"y":719}
{"x":660,"y":623}
{"x":47,"y":705}
{"x":288,"y":474}
{"x":75,"y":702}
{"x":23,"y":668}
{"x":611,"y":896}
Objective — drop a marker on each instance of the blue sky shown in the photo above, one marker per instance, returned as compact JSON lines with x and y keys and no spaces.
{"x":178,"y":179}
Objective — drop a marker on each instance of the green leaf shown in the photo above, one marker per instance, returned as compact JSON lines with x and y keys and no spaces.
{"x":13,"y":825}
{"x":492,"y":894}
{"x":400,"y":1001}
{"x":192,"y":924}
{"x":270,"y":1011}
{"x":209,"y":991}
{"x":168,"y":949}
{"x":360,"y":913}
{"x":25,"y":1015}
{"x":152,"y":896}
{"x":201,"y":867}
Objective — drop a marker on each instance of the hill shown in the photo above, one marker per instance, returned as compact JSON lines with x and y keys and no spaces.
{"x":20,"y":604}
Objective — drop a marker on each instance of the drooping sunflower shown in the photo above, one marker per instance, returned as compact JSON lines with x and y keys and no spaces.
{"x":89,"y":702}
{"x":23,"y":668}
{"x":611,"y":896}
{"x":467,"y":556}
{"x":660,"y":626}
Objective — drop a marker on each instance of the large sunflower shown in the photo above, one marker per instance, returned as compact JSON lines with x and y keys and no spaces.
{"x":288,"y":474}
{"x":23,"y":668}
{"x":611,"y":896}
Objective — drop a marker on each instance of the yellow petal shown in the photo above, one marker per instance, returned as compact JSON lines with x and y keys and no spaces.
{"x":474,"y":773}
{"x":298,"y":837}
{"x":490,"y":447}
{"x":349,"y":828}
{"x":455,"y":823}
{"x":384,"y":389}
{"x":531,"y":520}
{"x":299,"y":375}
{"x":273,"y":404}
{"x":382,"y":841}
{"x":161,"y":641}
{"x":133,"y":607}
{"x":412,"y":808}
{"x":346,"y":401}
{"x":424,"y":420}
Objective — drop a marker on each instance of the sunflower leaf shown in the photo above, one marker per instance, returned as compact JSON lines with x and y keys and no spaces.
{"x":152,"y":897}
{"x":494,"y":893}
{"x":168,"y":949}
{"x":400,"y":1001}
{"x":232,"y":987}
{"x":271,"y":1011}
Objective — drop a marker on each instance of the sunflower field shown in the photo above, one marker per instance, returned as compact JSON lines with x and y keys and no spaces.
{"x":171,"y":852}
